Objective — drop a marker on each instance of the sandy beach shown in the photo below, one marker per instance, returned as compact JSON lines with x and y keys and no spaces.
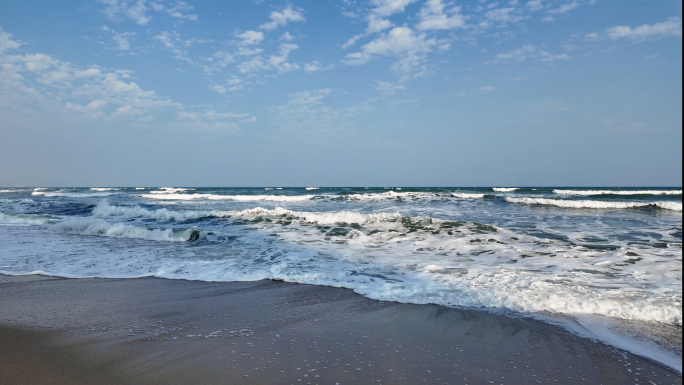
{"x":144,"y":331}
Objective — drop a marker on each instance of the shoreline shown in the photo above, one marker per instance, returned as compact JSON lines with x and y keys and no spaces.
{"x":151,"y":330}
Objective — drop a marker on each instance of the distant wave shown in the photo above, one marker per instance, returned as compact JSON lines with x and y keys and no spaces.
{"x":72,"y":194}
{"x":505,"y":189}
{"x":618,"y":192}
{"x":240,"y":198}
{"x":585,"y":204}
{"x":312,"y":188}
{"x":171,"y":190}
{"x":103,"y":189}
{"x":412,"y":195}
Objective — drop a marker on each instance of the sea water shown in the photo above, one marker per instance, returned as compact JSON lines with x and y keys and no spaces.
{"x":589,"y":259}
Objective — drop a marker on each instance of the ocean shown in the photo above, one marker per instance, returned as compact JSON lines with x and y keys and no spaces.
{"x":605,"y":263}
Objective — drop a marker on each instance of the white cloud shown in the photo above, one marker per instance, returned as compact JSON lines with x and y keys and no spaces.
{"x":399,"y":42}
{"x":671,"y":27}
{"x":502,"y":16}
{"x":376,"y":25}
{"x":534,"y":5}
{"x":565,"y":8}
{"x":388,"y":88}
{"x":591,"y":36}
{"x":353,"y":40}
{"x":253,"y":65}
{"x":279,"y":62}
{"x":519,"y":55}
{"x":251,"y":37}
{"x":286,"y":37}
{"x":316,"y":66}
{"x":120,"y":39}
{"x":384,"y":8}
{"x":6,"y":41}
{"x":137,"y":10}
{"x":376,"y":18}
{"x":528,"y":51}
{"x":39,"y":83}
{"x":281,"y":18}
{"x":433,"y":16}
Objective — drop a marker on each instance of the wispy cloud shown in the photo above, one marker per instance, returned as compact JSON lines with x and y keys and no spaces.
{"x":283,"y":17}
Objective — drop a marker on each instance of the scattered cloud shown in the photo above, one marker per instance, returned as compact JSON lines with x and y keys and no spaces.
{"x":564,"y":8}
{"x":670,"y":28}
{"x":400,"y":42}
{"x":534,"y":5}
{"x":137,"y":10}
{"x":33,"y":82}
{"x":388,"y":88}
{"x":251,"y":37}
{"x":526,"y":52}
{"x":316,"y":66}
{"x":121,"y":42}
{"x":281,"y":18}
{"x":434,"y":15}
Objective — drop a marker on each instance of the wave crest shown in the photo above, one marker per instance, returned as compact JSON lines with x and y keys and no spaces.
{"x":586,"y":204}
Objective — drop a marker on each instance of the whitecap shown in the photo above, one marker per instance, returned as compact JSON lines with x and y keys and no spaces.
{"x":586,"y":204}
{"x":617,"y":192}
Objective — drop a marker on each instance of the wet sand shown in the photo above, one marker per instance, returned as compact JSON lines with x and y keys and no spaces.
{"x":147,"y":331}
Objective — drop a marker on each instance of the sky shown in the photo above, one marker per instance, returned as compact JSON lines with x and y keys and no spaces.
{"x":340,"y":93}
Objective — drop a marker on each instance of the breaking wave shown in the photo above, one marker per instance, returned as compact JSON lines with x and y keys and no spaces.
{"x":26,"y":219}
{"x":239,"y":198}
{"x":505,"y":189}
{"x":99,"y":227}
{"x":586,"y":204}
{"x":617,"y":192}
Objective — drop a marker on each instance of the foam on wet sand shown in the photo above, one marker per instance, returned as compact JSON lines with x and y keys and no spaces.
{"x":149,"y":330}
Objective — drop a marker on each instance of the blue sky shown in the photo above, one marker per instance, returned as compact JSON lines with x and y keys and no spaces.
{"x":344,"y":92}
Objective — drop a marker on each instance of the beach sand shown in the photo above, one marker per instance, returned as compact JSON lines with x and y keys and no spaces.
{"x":149,"y":331}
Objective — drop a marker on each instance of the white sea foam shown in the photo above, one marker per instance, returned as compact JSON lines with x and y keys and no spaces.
{"x":69,"y":194}
{"x":534,"y":262}
{"x":6,"y":191}
{"x":467,"y":195}
{"x":26,"y":219}
{"x":312,"y":188}
{"x":171,"y":190}
{"x":618,"y":192}
{"x":325,"y":218}
{"x":104,"y":189}
{"x":240,"y":198}
{"x":141,"y":188}
{"x":412,"y":196}
{"x":99,"y":227}
{"x":505,"y":189}
{"x":104,"y":209}
{"x":585,"y":204}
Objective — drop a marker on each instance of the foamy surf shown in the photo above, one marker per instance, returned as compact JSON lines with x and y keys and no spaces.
{"x":239,"y":198}
{"x":587,"y":204}
{"x":98,"y":227}
{"x":69,"y":194}
{"x":505,"y":189}
{"x":618,"y":192}
{"x":453,"y":247}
